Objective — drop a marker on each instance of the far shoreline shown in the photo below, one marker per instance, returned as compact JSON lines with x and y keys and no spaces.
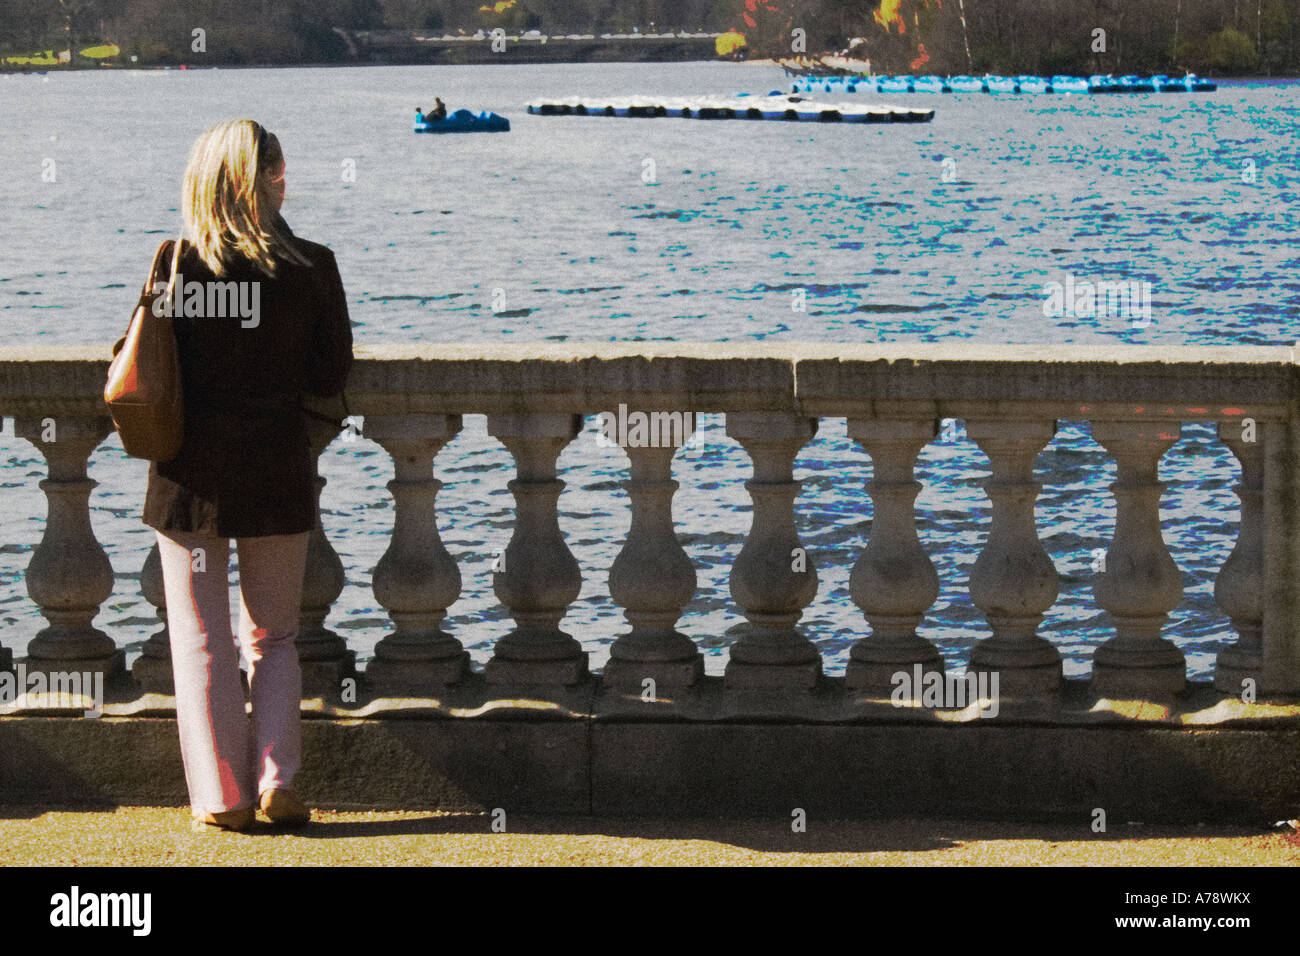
{"x":1238,"y":80}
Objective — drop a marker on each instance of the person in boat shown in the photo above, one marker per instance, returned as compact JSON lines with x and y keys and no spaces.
{"x":439,"y":111}
{"x":419,"y":116}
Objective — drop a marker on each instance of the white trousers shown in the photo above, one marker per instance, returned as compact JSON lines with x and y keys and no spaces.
{"x":231,"y":757}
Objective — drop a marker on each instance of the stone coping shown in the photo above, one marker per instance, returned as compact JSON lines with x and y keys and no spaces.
{"x":970,"y":381}
{"x":730,"y":351}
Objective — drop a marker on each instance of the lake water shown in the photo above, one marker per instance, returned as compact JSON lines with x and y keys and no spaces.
{"x":609,"y":229}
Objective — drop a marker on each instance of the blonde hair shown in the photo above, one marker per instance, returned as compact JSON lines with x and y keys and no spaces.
{"x":225,"y":205}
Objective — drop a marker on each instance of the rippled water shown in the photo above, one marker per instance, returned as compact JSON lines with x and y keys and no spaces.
{"x":897,"y":233}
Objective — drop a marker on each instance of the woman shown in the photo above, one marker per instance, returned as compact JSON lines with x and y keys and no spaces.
{"x":267,"y":323}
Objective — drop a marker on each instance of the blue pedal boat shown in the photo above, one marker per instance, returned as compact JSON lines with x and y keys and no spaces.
{"x":1069,"y":84}
{"x":463,"y":121}
{"x":1136,"y":84}
{"x":967,"y":84}
{"x":894,"y":84}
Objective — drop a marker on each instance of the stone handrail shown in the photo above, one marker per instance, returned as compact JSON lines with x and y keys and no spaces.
{"x":412,"y":398}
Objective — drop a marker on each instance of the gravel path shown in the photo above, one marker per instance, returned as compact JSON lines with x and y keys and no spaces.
{"x":154,"y":836}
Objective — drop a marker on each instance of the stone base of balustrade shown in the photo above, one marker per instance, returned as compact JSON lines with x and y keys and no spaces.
{"x":1234,"y":668}
{"x":111,"y":665}
{"x":154,"y":674}
{"x":319,"y":678}
{"x":390,"y":676}
{"x":710,"y":753}
{"x":1031,"y":682}
{"x":325,"y":678}
{"x":772,"y":677}
{"x":1233,"y":680}
{"x":564,"y":673}
{"x":880,"y":676}
{"x":975,"y":771}
{"x":1133,"y":683}
{"x":666,"y":675}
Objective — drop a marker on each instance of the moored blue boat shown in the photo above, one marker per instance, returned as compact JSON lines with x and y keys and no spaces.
{"x":929,"y":84}
{"x":1001,"y":84}
{"x":833,"y":84}
{"x":1069,"y":84}
{"x":1032,"y":84}
{"x":894,"y":84}
{"x":463,"y":121}
{"x":967,"y":84}
{"x":1124,"y":84}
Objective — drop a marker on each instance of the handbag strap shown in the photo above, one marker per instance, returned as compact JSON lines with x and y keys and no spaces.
{"x":149,"y":283}
{"x":176,"y":264}
{"x":147,"y":290}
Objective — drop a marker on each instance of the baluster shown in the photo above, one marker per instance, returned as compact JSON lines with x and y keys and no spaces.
{"x":893,"y":581}
{"x":1239,"y":589}
{"x":324,"y":656}
{"x":773,"y":578}
{"x":152,"y":670}
{"x":1013,"y":581}
{"x":541,"y":577}
{"x":6,"y":655}
{"x":1139,"y":584}
{"x":1280,"y":674}
{"x":652,"y":579}
{"x":416,"y":580}
{"x":69,"y":576}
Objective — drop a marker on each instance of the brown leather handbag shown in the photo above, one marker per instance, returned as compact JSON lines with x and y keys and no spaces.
{"x":144,"y":391}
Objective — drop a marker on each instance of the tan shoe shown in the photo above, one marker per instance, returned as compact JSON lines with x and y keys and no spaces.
{"x":236,"y":820}
{"x":284,"y":807}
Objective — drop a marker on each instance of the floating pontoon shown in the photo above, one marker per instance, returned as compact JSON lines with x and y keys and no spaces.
{"x":771,"y":107}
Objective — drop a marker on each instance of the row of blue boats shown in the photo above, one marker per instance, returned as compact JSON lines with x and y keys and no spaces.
{"x":1190,"y":83}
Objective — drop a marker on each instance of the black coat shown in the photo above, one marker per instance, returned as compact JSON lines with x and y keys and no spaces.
{"x":244,"y":468}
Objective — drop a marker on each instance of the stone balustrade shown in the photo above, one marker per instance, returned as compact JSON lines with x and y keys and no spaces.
{"x":413,"y":398}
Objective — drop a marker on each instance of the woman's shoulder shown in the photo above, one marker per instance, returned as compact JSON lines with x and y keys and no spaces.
{"x":315,"y":253}
{"x":191,"y":263}
{"x":236,"y":265}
